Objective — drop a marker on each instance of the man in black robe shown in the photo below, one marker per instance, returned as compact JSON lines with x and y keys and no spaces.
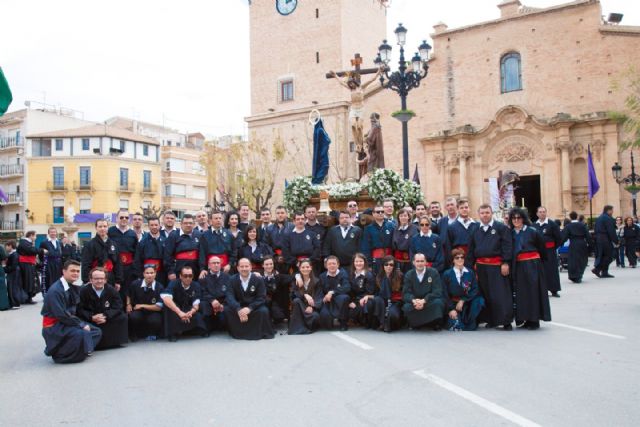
{"x":580,"y":244}
{"x":17,"y":295}
{"x":246,"y":310}
{"x":552,"y":240}
{"x":126,"y":241}
{"x":144,"y":306}
{"x":441,"y":229}
{"x":263,"y":229}
{"x":68,"y":338}
{"x":219,"y":242}
{"x":168,"y":223}
{"x":335,"y":287}
{"x":50,"y":258}
{"x":460,"y":231}
{"x":102,"y":252}
{"x":182,"y":249}
{"x":215,"y":285}
{"x":150,"y":250}
{"x":423,"y":296}
{"x":27,"y":255}
{"x":276,"y":235}
{"x":301,"y":243}
{"x":243,"y":214}
{"x":101,"y":305}
{"x":181,"y":304}
{"x":606,"y":240}
{"x":491,"y":252}
{"x":342,"y":240}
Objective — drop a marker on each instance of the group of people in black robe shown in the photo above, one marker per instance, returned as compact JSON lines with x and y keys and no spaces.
{"x":422,"y":270}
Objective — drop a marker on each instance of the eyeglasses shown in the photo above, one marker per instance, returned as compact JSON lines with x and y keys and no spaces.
{"x":378,"y":212}
{"x":425,"y":225}
{"x":186,"y":276}
{"x":351,"y":206}
{"x":458,"y":257}
{"x":124,"y":217}
{"x":389,"y":264}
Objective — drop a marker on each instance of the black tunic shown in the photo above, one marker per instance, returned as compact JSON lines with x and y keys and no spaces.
{"x":66,"y":340}
{"x":51,"y":262}
{"x":338,"y":307}
{"x":302,"y":322}
{"x":605,"y":234}
{"x":552,"y":240}
{"x":361,"y":286}
{"x":401,"y":245}
{"x":184,"y":299}
{"x":278,"y":295}
{"x":179,"y":245}
{"x":580,"y":242}
{"x":28,"y":275}
{"x":259,"y":324}
{"x":256,"y":256}
{"x":494,"y":243}
{"x":150,"y":250}
{"x":126,"y":243}
{"x":214,"y":287}
{"x":217,"y":242}
{"x":531,"y":297}
{"x":17,"y":295}
{"x":301,"y":245}
{"x":458,"y":236}
{"x":143,"y":322}
{"x":344,"y":248}
{"x":631,"y":243}
{"x":99,"y":253}
{"x":115,"y":331}
{"x":430,"y":289}
{"x":388,"y":306}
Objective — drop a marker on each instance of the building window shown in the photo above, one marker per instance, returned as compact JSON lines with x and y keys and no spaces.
{"x":58,"y":214}
{"x":510,"y":72}
{"x":199,"y":193}
{"x":85,"y":176}
{"x":58,"y":145}
{"x":124,"y":204}
{"x":85,"y":206}
{"x":146,"y":180}
{"x":85,"y":144}
{"x":124,"y":178}
{"x":122,"y":146}
{"x":58,"y":177}
{"x":41,"y":148}
{"x":176,"y":165}
{"x":286,"y":90}
{"x":145,"y":149}
{"x":175,"y":190}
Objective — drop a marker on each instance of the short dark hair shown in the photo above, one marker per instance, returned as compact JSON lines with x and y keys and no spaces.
{"x":99,"y":220}
{"x":11,"y":244}
{"x":100,"y":269}
{"x":185,"y":267}
{"x":298,"y":213}
{"x":265,"y":210}
{"x":30,"y":233}
{"x":485,"y":206}
{"x":573,"y":215}
{"x":187,"y":216}
{"x":153,"y":218}
{"x":67,"y":263}
{"x":280,"y":207}
{"x":308,"y":207}
{"x":607,"y":208}
{"x":421,"y":203}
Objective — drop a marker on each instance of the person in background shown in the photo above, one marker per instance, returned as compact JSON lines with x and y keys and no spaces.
{"x":552,"y":240}
{"x":580,"y":244}
{"x":27,"y":255}
{"x":17,"y":295}
{"x":51,"y":258}
{"x":619,"y":253}
{"x":606,"y":242}
{"x":253,"y":249}
{"x":631,"y":241}
{"x":342,"y":240}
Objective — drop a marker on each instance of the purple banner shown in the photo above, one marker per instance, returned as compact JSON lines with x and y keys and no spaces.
{"x":594,"y":185}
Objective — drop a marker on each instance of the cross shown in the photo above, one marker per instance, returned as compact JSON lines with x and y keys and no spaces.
{"x":357,"y":71}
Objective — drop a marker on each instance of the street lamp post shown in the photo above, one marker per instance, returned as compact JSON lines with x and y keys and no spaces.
{"x":403,"y":80}
{"x":631,"y":182}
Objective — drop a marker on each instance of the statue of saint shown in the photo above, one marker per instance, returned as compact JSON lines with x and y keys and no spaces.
{"x":375,"y":158}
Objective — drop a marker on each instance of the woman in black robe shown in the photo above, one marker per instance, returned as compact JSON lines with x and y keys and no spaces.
{"x":232,"y":223}
{"x":27,"y":254}
{"x":278,"y":290}
{"x":51,"y":259}
{"x":580,"y":244}
{"x":631,"y":235}
{"x":4,"y":292}
{"x":306,"y":301}
{"x":532,"y":299}
{"x":17,"y":295}
{"x":254,"y":250}
{"x":388,"y":301}
{"x":401,"y":240}
{"x":363,"y":292}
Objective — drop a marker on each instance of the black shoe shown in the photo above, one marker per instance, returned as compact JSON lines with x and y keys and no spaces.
{"x":595,"y":271}
{"x":205,"y":335}
{"x":437,"y":327}
{"x":532,"y":326}
{"x":30,"y":301}
{"x":555,"y":294}
{"x":607,"y":276}
{"x":508,"y":327}
{"x":489,"y":326}
{"x":343,"y":326}
{"x":173,"y":338}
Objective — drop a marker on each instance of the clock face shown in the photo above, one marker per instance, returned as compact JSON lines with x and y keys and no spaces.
{"x":285,"y":7}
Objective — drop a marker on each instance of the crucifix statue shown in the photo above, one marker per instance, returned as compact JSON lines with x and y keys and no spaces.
{"x":351,"y":80}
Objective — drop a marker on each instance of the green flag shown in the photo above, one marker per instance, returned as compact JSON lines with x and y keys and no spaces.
{"x":5,"y":94}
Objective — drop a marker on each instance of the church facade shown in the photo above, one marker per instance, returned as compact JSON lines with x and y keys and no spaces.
{"x":528,"y":92}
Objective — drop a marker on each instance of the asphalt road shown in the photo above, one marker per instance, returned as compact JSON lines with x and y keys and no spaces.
{"x":558,"y":375}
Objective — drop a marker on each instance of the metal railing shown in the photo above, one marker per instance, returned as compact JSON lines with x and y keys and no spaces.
{"x":12,"y":198}
{"x":8,"y":170}
{"x":10,"y":225}
{"x":11,"y":142}
{"x":57,"y":186}
{"x":82,"y":186}
{"x":149,"y":189}
{"x":127,"y":188}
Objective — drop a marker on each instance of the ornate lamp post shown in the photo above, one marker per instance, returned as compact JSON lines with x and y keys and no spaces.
{"x":208,"y":208}
{"x":403,"y":80}
{"x":631,"y":182}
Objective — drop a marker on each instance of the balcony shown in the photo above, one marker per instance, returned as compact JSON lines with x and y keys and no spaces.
{"x":10,"y":142}
{"x":10,"y":225}
{"x":7,"y":171}
{"x":57,"y":186}
{"x":149,"y":190}
{"x":127,"y":188}
{"x":83,"y":186}
{"x":12,"y":198}
{"x":55,"y":219}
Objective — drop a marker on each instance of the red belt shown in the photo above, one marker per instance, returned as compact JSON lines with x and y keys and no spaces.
{"x":380,"y":252}
{"x":126,"y":258}
{"x":187,"y":255}
{"x":48,"y":322}
{"x":465,"y":248}
{"x":550,"y":245}
{"x":278,"y":252}
{"x":255,"y":266}
{"x":526,"y":256}
{"x":401,"y":256}
{"x":29,"y":259}
{"x":156,"y":262}
{"x":396,"y":296}
{"x":224,"y":259}
{"x":490,"y":260}
{"x":429,"y":264}
{"x":108,"y":265}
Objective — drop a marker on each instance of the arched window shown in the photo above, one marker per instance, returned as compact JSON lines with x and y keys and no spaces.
{"x":510,"y":72}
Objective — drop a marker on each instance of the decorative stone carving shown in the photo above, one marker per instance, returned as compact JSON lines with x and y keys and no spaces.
{"x":438,"y":160}
{"x":515,"y":153}
{"x":581,"y":200}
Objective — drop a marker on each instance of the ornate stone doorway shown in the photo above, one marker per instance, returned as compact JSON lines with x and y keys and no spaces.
{"x":527,"y":193}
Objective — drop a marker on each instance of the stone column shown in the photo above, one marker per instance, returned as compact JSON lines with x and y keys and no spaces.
{"x":464,"y":181}
{"x":563,"y":146}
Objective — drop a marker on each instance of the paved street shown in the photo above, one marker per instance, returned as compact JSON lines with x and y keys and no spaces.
{"x":582,"y":370}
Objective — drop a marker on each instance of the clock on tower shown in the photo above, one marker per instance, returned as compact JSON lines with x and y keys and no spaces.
{"x":286,"y":7}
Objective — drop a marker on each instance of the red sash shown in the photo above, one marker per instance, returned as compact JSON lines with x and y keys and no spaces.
{"x":28,"y":259}
{"x":401,"y":256}
{"x":278,"y":252}
{"x":396,"y":296}
{"x":255,"y":266}
{"x":126,"y":258}
{"x":380,"y":252}
{"x":48,"y":322}
{"x":224,"y":259}
{"x":550,"y":245}
{"x":429,"y":264}
{"x":187,"y":255}
{"x":156,"y":262}
{"x":108,"y":265}
{"x":526,"y":256}
{"x":493,"y":260}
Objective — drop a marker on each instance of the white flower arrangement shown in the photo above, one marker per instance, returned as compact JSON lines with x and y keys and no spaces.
{"x":388,"y":184}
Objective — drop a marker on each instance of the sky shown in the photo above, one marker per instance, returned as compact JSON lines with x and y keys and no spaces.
{"x":182,"y":64}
